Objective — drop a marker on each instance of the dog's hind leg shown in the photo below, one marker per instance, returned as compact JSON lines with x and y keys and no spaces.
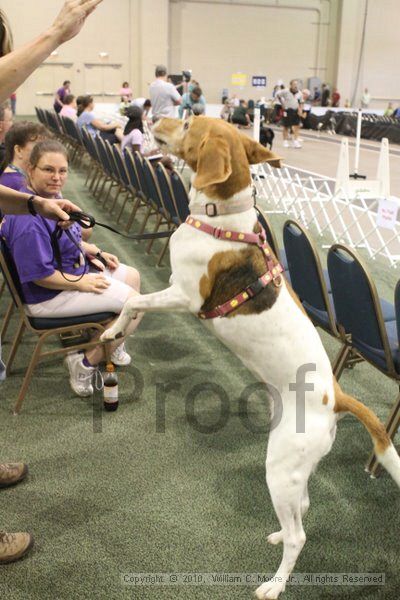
{"x":277,"y":537}
{"x":287,"y":492}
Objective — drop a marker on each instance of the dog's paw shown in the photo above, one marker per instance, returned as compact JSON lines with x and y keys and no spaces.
{"x":270,"y":590}
{"x":275,"y":538}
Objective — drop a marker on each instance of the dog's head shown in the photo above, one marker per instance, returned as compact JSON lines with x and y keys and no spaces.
{"x":215,"y":150}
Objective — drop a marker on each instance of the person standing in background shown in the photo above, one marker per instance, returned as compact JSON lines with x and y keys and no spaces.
{"x":61,"y":93}
{"x":15,"y":67}
{"x":325,"y":95}
{"x":365,"y":99}
{"x":335,"y":98}
{"x":163,"y":95}
{"x":292,"y":104}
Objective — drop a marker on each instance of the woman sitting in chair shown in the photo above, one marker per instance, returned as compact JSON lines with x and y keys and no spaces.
{"x":108,"y":131}
{"x":19,"y":142}
{"x":84,"y":280}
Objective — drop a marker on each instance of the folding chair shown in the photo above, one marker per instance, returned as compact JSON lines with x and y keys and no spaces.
{"x":271,"y":239}
{"x":164,"y":216}
{"x":43,"y":328}
{"x":311,"y":284}
{"x":107,"y":167}
{"x":360,"y":317}
{"x":180,"y":195}
{"x":135,"y":182}
{"x":168,"y":196}
{"x":95,"y":172}
{"x":124,"y":178}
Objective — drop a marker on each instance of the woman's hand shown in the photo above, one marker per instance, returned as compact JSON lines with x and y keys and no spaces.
{"x":111,"y":260}
{"x":72,"y":18}
{"x":55,"y":209}
{"x":93,"y":283}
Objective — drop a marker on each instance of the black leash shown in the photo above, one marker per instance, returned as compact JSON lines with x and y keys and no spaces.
{"x":87,"y":221}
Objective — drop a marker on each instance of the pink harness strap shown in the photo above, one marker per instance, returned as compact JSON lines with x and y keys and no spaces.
{"x":273,"y":272}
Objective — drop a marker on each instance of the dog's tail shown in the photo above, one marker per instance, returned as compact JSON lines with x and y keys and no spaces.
{"x":384,"y":449}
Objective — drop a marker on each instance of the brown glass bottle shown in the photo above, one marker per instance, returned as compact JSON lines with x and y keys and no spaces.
{"x":110,"y":389}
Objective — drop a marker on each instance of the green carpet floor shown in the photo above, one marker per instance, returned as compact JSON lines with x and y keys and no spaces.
{"x":150,"y":493}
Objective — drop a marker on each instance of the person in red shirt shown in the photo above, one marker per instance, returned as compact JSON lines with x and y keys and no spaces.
{"x":335,"y":98}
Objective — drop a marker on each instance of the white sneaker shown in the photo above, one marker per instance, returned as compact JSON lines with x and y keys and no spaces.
{"x":80,"y":376}
{"x":296,"y":144}
{"x":120,"y":357}
{"x":286,"y":144}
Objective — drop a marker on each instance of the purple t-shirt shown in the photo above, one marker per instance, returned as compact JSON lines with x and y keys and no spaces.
{"x":61,"y":93}
{"x":28,"y":239}
{"x":13,"y":180}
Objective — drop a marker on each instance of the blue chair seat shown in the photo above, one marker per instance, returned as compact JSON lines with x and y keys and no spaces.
{"x":377,"y":355}
{"x":321,"y":316}
{"x":44,"y":323}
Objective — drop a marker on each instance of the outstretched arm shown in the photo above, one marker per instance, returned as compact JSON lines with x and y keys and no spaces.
{"x":171,"y":299}
{"x":16,"y":66}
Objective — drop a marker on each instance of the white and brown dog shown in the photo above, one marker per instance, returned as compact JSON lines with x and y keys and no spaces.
{"x":233,"y":283}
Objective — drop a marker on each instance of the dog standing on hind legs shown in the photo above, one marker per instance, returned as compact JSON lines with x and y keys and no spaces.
{"x":224,"y":272}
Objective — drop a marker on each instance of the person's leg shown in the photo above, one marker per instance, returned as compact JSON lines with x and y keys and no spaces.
{"x":123,"y":282}
{"x":295,"y":129}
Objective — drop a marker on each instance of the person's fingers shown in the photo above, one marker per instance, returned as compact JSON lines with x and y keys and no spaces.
{"x":66,"y":205}
{"x":89,"y":5}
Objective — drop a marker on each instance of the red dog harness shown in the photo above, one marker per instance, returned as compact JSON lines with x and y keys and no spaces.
{"x":273,"y":272}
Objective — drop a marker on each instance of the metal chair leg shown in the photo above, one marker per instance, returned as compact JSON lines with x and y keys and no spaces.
{"x":6,"y":320}
{"x":15,"y":345}
{"x":162,"y":253}
{"x":156,"y":228}
{"x":28,"y":375}
{"x":340,"y":361}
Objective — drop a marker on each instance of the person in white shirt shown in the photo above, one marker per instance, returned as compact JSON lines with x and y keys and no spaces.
{"x":365,"y":99}
{"x":163,"y":95}
{"x":292,"y":103}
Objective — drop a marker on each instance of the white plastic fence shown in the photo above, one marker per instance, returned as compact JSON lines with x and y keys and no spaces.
{"x":312,"y":199}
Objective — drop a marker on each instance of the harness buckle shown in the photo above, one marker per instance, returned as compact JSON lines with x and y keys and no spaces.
{"x":255,"y":288}
{"x":213,"y":212}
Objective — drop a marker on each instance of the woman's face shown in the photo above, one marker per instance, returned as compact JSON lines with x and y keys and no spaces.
{"x":49,"y":175}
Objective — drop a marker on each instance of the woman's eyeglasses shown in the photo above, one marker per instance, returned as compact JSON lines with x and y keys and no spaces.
{"x":52,"y":171}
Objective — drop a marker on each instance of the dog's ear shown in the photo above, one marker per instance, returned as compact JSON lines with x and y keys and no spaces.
{"x":257,"y":154}
{"x":213,"y":162}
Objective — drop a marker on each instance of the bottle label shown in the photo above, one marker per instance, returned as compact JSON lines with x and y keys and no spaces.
{"x":110,"y":392}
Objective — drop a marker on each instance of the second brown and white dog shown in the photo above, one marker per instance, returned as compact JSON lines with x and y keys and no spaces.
{"x":267,"y":330}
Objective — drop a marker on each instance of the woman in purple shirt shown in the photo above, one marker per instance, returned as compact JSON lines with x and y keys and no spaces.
{"x":87,"y":280}
{"x":19,"y":143}
{"x":60,"y":95}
